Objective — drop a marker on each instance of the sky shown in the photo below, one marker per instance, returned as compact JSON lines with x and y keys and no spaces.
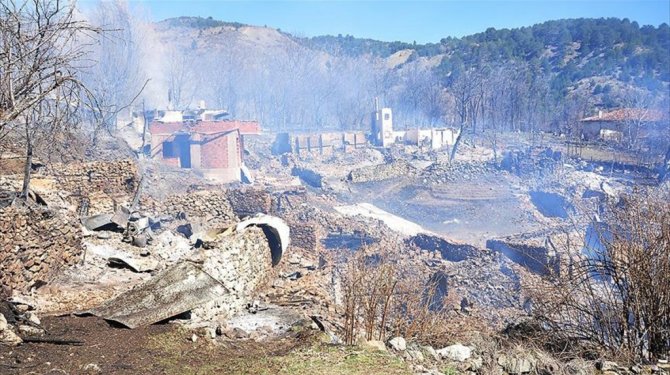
{"x":389,"y":20}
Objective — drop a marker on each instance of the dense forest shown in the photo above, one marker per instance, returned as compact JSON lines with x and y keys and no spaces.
{"x":569,"y":50}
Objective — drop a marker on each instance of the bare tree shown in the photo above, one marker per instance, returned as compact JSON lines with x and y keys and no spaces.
{"x":44,"y":49}
{"x":182,"y":79}
{"x":116,"y":79}
{"x":466,"y":88}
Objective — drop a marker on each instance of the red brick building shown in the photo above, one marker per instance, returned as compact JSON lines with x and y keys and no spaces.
{"x":213,"y":147}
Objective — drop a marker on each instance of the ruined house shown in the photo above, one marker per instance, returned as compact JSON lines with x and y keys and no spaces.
{"x":319,"y":143}
{"x":435,"y":138}
{"x":623,"y":123}
{"x":216,"y":148}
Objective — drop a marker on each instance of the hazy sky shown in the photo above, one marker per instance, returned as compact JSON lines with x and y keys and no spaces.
{"x":420,"y":21}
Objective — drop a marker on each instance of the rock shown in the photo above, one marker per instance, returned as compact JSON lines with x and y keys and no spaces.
{"x":416,"y":355}
{"x":30,"y":330}
{"x":607,"y":366}
{"x":194,"y":338}
{"x":476,"y":364}
{"x":419,"y":369}
{"x":517,"y":365}
{"x":3,"y":323}
{"x":33,"y":318}
{"x":239,"y":333}
{"x":91,"y":367}
{"x":457,"y":352}
{"x":578,"y":367}
{"x":102,"y":236}
{"x":398,"y":344}
{"x":7,"y":336}
{"x":431,"y":352}
{"x":375,"y":345}
{"x":211,"y":332}
{"x":221,"y":329}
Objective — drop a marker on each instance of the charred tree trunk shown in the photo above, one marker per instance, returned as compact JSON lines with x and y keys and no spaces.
{"x":28,"y":164}
{"x":456,"y":143}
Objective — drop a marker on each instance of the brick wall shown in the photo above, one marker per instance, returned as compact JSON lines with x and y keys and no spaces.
{"x":221,"y":151}
{"x":214,"y":147}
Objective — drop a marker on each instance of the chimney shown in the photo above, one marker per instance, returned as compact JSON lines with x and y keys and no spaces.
{"x":201,"y":104}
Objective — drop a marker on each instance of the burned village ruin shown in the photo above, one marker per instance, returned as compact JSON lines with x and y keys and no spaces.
{"x":211,"y":197}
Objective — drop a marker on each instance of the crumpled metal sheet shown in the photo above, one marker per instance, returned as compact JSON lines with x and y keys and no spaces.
{"x":97,"y":221}
{"x":174,"y":291}
{"x":275,"y":229}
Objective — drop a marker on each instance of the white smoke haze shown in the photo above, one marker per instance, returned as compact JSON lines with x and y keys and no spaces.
{"x":254,"y":72}
{"x":260,"y":73}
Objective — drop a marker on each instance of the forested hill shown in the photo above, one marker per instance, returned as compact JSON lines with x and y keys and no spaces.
{"x":571,"y":49}
{"x":543,"y":76}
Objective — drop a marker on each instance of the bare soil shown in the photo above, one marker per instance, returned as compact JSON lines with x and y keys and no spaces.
{"x":169,"y":349}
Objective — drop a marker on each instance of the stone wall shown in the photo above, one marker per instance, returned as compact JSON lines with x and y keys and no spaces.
{"x":398,"y":168}
{"x":101,"y":176}
{"x":99,"y":186}
{"x":242,"y":263}
{"x":305,"y":236}
{"x":249,"y":202}
{"x":201,"y":205}
{"x":35,"y":245}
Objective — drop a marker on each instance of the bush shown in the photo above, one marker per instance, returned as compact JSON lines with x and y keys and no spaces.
{"x":384,"y":297}
{"x":616,"y":291}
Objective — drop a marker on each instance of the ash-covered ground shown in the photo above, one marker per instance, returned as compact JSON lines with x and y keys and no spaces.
{"x":260,"y":263}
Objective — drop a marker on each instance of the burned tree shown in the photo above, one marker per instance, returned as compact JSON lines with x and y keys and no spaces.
{"x":467,"y":89}
{"x":116,"y":79}
{"x":43,"y":50}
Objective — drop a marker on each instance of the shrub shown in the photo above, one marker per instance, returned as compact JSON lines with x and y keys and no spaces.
{"x":616,"y":291}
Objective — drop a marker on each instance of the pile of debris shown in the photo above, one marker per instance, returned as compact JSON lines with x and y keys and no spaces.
{"x":539,"y":255}
{"x":451,"y":251}
{"x":532,"y":161}
{"x":216,"y":280}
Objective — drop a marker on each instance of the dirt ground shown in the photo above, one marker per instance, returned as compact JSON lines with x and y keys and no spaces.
{"x":169,"y":349}
{"x":466,"y":211}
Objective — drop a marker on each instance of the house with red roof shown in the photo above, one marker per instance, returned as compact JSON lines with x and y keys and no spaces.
{"x":622,"y":123}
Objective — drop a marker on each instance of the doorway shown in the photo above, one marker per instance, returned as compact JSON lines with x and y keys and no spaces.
{"x":183,"y":143}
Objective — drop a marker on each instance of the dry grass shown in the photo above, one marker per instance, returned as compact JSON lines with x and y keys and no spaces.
{"x":174,"y":355}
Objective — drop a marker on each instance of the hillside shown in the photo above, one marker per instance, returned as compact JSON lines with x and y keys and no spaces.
{"x":570,"y":50}
{"x":330,"y":81}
